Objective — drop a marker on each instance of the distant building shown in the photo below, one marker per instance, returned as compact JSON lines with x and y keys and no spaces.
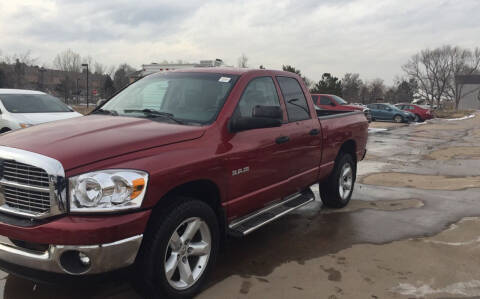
{"x":151,"y":68}
{"x":470,"y":97}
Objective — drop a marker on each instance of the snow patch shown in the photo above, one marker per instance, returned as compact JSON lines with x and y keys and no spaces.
{"x":468,"y":288}
{"x":461,"y":118}
{"x":375,"y":130}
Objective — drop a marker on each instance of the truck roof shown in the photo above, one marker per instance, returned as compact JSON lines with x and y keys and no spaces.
{"x":19,"y":91}
{"x":233,"y":71}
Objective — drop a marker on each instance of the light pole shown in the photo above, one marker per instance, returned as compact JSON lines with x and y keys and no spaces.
{"x":86,"y":65}
{"x":78,"y":92}
{"x":42,"y":71}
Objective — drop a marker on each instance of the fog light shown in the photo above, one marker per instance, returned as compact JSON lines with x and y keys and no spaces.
{"x":75,"y":262}
{"x":84,"y":259}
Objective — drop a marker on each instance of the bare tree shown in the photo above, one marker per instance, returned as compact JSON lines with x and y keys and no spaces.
{"x":364,"y":94}
{"x":25,"y":57}
{"x":110,"y":70}
{"x":435,"y":71}
{"x":120,"y":79}
{"x":99,"y":68}
{"x":68,"y":61}
{"x":462,"y":62}
{"x":376,"y":90}
{"x":351,"y":84}
{"x":243,"y":61}
{"x":87,"y":60}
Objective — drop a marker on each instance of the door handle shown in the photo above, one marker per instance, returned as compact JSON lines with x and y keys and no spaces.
{"x":314,"y":132}
{"x":282,"y":139}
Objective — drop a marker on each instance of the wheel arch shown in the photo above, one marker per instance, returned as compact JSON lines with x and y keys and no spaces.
{"x":349,"y":147}
{"x":202,"y":189}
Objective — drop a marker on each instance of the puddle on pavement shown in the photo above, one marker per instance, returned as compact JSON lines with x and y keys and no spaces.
{"x":426,"y":182}
{"x":408,"y":267}
{"x":457,"y":152}
{"x":383,"y":205}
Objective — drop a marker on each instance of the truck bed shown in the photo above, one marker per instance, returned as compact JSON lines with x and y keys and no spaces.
{"x":324,"y":114}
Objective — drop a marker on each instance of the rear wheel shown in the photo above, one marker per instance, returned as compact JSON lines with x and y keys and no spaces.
{"x":398,"y":119}
{"x":337,"y":190}
{"x":178,"y":251}
{"x":3,"y":130}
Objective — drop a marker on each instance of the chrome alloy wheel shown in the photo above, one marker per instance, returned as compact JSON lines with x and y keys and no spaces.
{"x":345,"y":181}
{"x":187,"y":253}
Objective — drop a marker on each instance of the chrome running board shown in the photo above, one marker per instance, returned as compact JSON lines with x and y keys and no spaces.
{"x":254,"y":221}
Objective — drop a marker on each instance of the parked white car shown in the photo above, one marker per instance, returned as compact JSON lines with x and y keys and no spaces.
{"x":24,"y":108}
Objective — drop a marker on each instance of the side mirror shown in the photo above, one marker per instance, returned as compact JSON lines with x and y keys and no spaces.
{"x":274,"y":112}
{"x":263,"y":117}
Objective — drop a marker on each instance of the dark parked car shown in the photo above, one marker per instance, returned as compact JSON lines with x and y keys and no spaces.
{"x":385,"y":111}
{"x":419,"y":113}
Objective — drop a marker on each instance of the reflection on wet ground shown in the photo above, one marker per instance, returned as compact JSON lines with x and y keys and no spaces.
{"x":390,"y":242}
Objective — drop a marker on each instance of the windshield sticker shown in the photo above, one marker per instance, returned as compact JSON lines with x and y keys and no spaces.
{"x":224,"y":79}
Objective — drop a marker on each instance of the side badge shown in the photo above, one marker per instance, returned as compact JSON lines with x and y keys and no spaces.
{"x":240,"y":171}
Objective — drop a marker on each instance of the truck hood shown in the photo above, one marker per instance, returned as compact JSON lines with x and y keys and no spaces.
{"x":354,"y":107}
{"x":39,"y":118}
{"x":84,"y":140}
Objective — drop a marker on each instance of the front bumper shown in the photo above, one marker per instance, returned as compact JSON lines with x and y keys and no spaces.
{"x":65,"y":259}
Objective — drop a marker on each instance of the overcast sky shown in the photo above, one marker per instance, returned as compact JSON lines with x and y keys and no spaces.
{"x":370,"y":37}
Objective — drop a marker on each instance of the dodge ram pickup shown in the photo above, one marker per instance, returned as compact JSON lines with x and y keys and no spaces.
{"x":153,"y":180}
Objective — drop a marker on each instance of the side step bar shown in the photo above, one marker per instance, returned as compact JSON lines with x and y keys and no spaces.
{"x":258,"y":219}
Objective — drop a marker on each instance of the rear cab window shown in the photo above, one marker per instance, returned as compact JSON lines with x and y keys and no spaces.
{"x":295,"y":101}
{"x":324,"y":100}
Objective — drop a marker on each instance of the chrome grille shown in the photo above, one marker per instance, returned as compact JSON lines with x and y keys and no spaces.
{"x":26,"y":200}
{"x":25,"y":174}
{"x":31,"y":185}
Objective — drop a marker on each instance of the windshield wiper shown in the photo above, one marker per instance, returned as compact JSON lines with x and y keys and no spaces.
{"x":106,"y":112}
{"x":150,"y":113}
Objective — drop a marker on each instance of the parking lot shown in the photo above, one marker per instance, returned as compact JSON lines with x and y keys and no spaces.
{"x":410,"y":231}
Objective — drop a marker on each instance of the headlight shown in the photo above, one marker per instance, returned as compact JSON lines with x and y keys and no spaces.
{"x":107,"y":190}
{"x":25,"y":125}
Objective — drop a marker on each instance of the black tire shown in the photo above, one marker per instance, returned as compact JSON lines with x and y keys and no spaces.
{"x":398,"y":119}
{"x":418,"y":118}
{"x":330,"y":188}
{"x":150,"y":279}
{"x":4,"y":130}
{"x":374,"y":119}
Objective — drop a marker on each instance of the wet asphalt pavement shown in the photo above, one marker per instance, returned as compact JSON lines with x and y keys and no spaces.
{"x":410,"y":231}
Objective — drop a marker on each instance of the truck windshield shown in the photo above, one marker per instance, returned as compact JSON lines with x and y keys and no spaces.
{"x":186,"y":98}
{"x":33,"y":103}
{"x":340,"y":101}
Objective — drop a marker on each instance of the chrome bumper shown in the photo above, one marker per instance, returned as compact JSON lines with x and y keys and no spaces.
{"x":60,"y":258}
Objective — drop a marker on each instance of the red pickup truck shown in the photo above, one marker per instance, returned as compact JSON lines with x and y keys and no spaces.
{"x":333,"y":102}
{"x":155,"y":178}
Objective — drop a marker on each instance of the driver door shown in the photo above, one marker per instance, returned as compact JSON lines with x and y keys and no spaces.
{"x":257,"y":163}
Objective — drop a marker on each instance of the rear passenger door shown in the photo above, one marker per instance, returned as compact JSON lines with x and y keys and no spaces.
{"x":304,"y":133}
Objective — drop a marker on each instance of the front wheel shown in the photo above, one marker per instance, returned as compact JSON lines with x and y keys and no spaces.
{"x":337,"y":190}
{"x":178,"y":251}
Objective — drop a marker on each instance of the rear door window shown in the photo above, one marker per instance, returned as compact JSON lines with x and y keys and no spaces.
{"x":297,"y":106}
